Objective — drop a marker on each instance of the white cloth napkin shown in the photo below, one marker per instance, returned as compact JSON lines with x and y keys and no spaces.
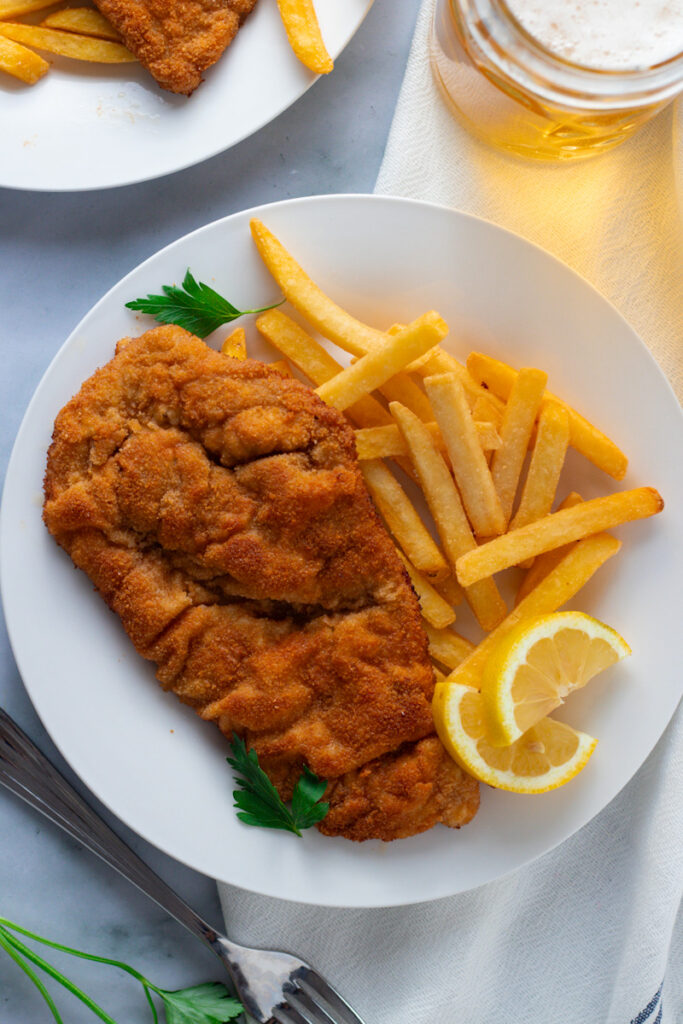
{"x":590,"y":933}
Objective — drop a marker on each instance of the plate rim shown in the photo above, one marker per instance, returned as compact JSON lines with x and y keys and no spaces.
{"x":35,"y":398}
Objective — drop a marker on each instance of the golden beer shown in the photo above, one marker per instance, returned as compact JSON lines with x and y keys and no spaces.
{"x":524,"y":74}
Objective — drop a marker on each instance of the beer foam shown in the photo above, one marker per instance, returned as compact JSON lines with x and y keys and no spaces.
{"x":609,"y":35}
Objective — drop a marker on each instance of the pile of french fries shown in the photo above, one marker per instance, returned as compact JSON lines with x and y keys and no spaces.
{"x":82,"y":33}
{"x":463,"y":434}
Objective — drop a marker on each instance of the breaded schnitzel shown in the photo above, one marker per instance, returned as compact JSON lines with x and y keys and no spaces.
{"x":400,"y":794}
{"x":219,"y":509}
{"x":176,"y":41}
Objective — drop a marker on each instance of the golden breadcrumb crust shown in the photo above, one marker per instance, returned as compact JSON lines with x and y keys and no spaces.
{"x":219,"y":509}
{"x":176,"y":41}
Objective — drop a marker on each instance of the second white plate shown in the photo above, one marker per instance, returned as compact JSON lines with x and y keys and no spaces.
{"x":86,"y":126}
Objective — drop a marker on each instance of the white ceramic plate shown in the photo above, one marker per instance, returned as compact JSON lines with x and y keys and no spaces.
{"x":161,"y":769}
{"x":95,"y":126}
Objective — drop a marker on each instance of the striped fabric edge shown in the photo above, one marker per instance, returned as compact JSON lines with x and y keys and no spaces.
{"x":645,"y":1015}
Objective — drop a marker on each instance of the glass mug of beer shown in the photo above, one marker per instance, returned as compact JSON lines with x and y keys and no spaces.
{"x":557,"y":79}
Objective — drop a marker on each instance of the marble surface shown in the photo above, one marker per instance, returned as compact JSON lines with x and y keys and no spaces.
{"x":59,"y":254}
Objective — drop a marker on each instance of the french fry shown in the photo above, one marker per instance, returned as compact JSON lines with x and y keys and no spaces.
{"x":450,"y":590}
{"x":375,"y":368}
{"x":515,"y":432}
{"x":84,"y":20}
{"x":489,"y":438}
{"x":558,"y":528}
{"x":448,"y":647}
{"x":298,"y":346}
{"x":21,"y":62}
{"x":447,"y":511}
{"x":303,"y":32}
{"x":472,"y":474}
{"x":438,"y":674}
{"x":235,"y":345}
{"x":367,"y":413}
{"x":435,"y":610}
{"x":333,"y":322}
{"x":425,"y":413}
{"x":67,"y":44}
{"x":18,"y":8}
{"x":437,"y":484}
{"x":283,"y":367}
{"x":558,"y":587}
{"x":484,"y":411}
{"x":547,"y":460}
{"x":541,"y":566}
{"x":402,"y":388}
{"x":439,"y":361}
{"x":586,"y":438}
{"x":403,"y":521}
{"x":386,"y":442}
{"x":316,"y":363}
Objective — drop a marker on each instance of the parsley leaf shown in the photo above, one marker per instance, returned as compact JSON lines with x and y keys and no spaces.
{"x":308,"y":792}
{"x":210,"y":1003}
{"x":258,"y":802}
{"x":195,"y":306}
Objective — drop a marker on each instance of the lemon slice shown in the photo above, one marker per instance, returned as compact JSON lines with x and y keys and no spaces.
{"x":537,"y":664}
{"x":547,"y":756}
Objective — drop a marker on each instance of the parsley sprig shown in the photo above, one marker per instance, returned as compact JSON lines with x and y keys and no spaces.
{"x":195,"y":306}
{"x":259,"y":802}
{"x":210,"y":1003}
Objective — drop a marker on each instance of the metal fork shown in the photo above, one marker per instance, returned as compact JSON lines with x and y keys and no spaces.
{"x":272,"y":987}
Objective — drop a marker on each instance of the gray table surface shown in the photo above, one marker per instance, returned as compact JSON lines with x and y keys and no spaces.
{"x":59,"y":254}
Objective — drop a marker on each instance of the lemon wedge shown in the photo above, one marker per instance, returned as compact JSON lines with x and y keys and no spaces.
{"x":547,"y":756}
{"x":537,"y":664}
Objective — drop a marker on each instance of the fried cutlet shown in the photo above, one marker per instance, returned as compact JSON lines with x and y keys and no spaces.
{"x":176,"y":41}
{"x":400,"y":794}
{"x":219,"y":509}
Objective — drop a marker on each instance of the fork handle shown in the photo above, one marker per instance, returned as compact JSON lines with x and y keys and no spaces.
{"x":30,"y":775}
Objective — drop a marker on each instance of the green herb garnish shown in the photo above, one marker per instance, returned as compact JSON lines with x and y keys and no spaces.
{"x":210,"y":1003}
{"x":259,"y":803}
{"x":201,"y":1004}
{"x":195,"y":306}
